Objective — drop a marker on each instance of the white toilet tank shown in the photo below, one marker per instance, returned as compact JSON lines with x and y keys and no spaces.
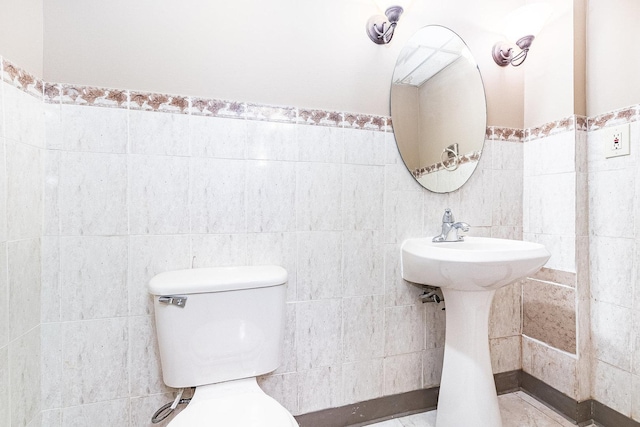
{"x":219,"y":324}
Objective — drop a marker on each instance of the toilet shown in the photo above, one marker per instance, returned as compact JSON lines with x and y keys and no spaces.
{"x":218,"y":329}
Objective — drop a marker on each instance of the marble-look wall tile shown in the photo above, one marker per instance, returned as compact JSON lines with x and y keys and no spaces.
{"x":432,"y":360}
{"x":549,"y":314}
{"x":562,"y":249}
{"x":318,"y":196}
{"x":92,"y":351}
{"x":319,"y":265}
{"x":404,"y":329}
{"x":219,"y":138}
{"x":550,"y":204}
{"x":93,"y":277}
{"x":92,"y":194}
{"x":635,"y":397}
{"x":400,"y":373}
{"x":23,"y":117}
{"x":612,"y":334}
{"x":24,"y":286}
{"x":320,"y":144}
{"x":51,"y":365}
{"x":161,"y":134}
{"x":362,"y":263}
{"x":51,"y":189}
{"x":612,"y":270}
{"x":4,"y":296}
{"x":363,"y":327}
{"x":283,"y":388}
{"x":5,"y":410}
{"x":319,"y":333}
{"x":24,"y":377}
{"x":52,"y":418}
{"x":612,"y":387}
{"x":271,"y":141}
{"x":3,"y":187}
{"x":477,"y":207}
{"x":505,"y":354}
{"x":75,"y":128}
{"x":362,"y":380}
{"x":505,"y":316}
{"x":51,"y":288}
{"x":148,"y":256}
{"x":271,"y":189}
{"x":505,"y":155}
{"x":364,"y":147}
{"x":551,"y":155}
{"x":402,"y":216}
{"x":612,"y":186}
{"x":288,"y":359}
{"x":635,"y":328}
{"x":209,"y":250}
{"x":146,"y":374}
{"x":320,"y":389}
{"x":24,"y":169}
{"x":397,"y":290}
{"x":554,"y":367}
{"x":113,"y":413}
{"x":277,"y":249}
{"x":565,"y":278}
{"x":363,"y":201}
{"x":158,"y":195}
{"x":218,"y":203}
{"x":435,"y":320}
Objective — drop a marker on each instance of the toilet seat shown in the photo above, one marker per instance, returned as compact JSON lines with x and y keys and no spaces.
{"x":239,"y":403}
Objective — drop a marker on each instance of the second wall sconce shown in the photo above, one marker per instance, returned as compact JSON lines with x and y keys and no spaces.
{"x":380,"y":28}
{"x":521,"y":25}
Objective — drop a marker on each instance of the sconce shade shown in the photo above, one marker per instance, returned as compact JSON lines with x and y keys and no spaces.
{"x":383,"y":5}
{"x":527,"y":20}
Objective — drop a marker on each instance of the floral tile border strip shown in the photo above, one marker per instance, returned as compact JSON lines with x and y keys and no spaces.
{"x":54,"y":93}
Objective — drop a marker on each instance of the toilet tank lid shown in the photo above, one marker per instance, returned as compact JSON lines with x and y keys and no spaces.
{"x":217,"y":279}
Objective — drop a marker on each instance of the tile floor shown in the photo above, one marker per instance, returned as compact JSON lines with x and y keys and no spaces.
{"x":518,"y":410}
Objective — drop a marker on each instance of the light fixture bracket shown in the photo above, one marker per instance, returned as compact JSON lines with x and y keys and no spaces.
{"x":504,"y":55}
{"x":380,"y":28}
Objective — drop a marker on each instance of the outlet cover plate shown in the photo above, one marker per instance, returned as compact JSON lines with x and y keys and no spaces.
{"x":616,"y":141}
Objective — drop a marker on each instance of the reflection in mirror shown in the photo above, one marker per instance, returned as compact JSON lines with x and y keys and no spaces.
{"x":438,"y":109}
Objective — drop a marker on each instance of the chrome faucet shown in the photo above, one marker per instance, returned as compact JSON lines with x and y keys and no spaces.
{"x":450,"y":229}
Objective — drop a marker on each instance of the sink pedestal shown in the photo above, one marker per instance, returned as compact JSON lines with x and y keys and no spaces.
{"x":467,"y":390}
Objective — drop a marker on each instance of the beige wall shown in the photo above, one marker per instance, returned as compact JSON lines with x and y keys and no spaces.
{"x":21,"y":28}
{"x":549,"y":69}
{"x":286,"y":52}
{"x":613,"y":63}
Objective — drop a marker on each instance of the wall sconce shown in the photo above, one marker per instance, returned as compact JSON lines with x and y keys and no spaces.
{"x":380,"y":28}
{"x":523,"y":24}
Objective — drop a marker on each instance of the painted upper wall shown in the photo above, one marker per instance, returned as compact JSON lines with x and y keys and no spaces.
{"x":21,"y":33}
{"x":285,"y":52}
{"x":613,"y":63}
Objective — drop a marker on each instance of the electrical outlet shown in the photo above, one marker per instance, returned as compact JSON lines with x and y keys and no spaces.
{"x":616,"y":141}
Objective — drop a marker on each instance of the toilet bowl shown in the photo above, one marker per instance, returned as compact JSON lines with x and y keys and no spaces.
{"x":218,"y":329}
{"x":233,"y":403}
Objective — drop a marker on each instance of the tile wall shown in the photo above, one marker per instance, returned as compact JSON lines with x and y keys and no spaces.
{"x":132,"y":184}
{"x":614,"y":210}
{"x":21,"y":207}
{"x":556,"y":332}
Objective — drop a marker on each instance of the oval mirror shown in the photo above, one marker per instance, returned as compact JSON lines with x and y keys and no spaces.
{"x":438,"y":109}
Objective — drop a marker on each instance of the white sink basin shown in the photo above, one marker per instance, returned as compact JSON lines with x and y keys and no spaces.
{"x":477,"y":263}
{"x":469,"y":272}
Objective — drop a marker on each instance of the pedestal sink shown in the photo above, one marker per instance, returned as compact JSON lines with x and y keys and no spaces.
{"x":469,"y":272}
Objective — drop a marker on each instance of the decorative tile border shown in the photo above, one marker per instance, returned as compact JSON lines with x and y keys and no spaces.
{"x":496,"y":133}
{"x":618,"y":117}
{"x":472,"y":156}
{"x":55,"y":93}
{"x":21,"y":79}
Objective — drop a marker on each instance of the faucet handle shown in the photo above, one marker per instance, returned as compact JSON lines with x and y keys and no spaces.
{"x":448,"y":217}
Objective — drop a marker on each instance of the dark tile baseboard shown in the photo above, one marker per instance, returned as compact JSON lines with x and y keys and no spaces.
{"x":380,"y":409}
